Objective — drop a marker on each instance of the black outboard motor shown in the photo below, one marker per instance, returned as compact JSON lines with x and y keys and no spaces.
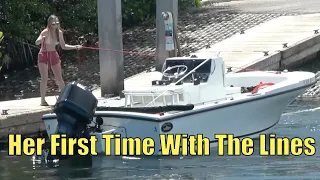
{"x":75,"y":110}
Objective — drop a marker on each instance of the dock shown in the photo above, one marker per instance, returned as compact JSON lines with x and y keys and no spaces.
{"x":278,"y":44}
{"x":24,"y":115}
{"x":281,"y":43}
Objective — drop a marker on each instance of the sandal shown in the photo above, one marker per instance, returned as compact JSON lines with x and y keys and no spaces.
{"x":44,"y":104}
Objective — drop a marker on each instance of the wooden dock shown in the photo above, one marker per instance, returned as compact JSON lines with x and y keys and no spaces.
{"x":277,"y":44}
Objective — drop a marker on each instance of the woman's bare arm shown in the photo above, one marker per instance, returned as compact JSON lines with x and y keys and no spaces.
{"x":40,"y":38}
{"x":64,"y":45}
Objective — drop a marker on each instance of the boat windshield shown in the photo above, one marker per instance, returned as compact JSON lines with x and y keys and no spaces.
{"x":202,"y":72}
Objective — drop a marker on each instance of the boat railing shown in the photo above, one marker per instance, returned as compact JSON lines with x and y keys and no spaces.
{"x":172,"y":94}
{"x":192,"y":71}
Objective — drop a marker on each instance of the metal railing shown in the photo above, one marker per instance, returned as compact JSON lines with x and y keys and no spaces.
{"x":193,"y":70}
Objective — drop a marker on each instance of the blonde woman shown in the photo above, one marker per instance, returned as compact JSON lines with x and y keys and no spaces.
{"x":49,"y":38}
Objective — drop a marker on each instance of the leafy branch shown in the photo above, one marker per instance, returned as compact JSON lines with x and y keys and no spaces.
{"x":22,"y":23}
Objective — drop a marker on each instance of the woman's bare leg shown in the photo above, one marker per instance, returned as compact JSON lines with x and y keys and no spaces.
{"x":43,"y":69}
{"x":56,"y":69}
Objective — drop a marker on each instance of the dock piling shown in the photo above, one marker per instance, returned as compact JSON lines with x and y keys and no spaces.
{"x":161,"y":52}
{"x":110,"y":37}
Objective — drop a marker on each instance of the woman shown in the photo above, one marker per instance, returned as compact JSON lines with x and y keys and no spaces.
{"x":49,"y":38}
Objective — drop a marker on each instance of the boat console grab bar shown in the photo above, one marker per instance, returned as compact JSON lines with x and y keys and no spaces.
{"x":193,"y":70}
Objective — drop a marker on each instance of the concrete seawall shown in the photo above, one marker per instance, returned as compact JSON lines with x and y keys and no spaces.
{"x":290,"y":57}
{"x":281,"y":43}
{"x":24,"y":123}
{"x":24,"y":116}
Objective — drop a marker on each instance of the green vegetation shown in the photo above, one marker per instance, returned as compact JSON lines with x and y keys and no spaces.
{"x":1,"y":38}
{"x":22,"y":23}
{"x":4,"y":61}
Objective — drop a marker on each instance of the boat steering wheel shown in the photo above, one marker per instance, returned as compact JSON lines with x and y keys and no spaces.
{"x":176,"y":74}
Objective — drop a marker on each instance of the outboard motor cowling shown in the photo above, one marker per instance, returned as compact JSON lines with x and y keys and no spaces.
{"x":75,"y":109}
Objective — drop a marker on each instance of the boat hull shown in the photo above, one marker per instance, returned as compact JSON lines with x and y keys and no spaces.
{"x":248,"y":118}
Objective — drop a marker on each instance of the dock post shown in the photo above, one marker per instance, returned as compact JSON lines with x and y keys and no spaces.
{"x":161,"y":52}
{"x":110,"y":37}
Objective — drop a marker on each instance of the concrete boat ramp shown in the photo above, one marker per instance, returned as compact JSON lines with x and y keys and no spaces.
{"x":276,"y":44}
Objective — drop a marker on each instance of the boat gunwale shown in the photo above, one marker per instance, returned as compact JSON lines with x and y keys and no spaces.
{"x":154,"y":118}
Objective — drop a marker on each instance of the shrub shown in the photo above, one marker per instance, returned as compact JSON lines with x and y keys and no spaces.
{"x":22,"y":22}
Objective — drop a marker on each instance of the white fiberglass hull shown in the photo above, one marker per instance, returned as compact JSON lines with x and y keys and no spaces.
{"x":243,"y":118}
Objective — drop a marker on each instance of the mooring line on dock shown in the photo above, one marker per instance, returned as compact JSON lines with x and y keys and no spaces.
{"x":82,"y":68}
{"x":122,"y":51}
{"x":264,"y":53}
{"x":241,"y":68}
{"x":80,"y":62}
{"x":153,"y":55}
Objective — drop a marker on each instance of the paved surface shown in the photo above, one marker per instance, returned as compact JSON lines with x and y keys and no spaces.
{"x":242,"y":50}
{"x":267,"y":6}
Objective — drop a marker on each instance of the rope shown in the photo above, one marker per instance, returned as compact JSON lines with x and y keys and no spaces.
{"x":80,"y":63}
{"x":150,"y":55}
{"x":126,"y":52}
{"x":81,"y":67}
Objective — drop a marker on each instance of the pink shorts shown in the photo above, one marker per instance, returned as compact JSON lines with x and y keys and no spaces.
{"x":49,"y":57}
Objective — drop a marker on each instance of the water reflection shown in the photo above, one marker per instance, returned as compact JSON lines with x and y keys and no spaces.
{"x":210,"y":167}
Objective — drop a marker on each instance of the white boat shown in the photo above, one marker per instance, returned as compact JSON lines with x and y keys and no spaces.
{"x":202,"y":98}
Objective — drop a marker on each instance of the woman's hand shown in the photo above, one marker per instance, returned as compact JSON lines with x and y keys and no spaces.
{"x":78,"y":47}
{"x":40,"y":39}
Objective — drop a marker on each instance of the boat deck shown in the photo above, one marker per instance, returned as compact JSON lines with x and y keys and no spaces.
{"x":278,"y":43}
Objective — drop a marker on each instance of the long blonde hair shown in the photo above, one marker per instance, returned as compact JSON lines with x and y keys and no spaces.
{"x":49,"y":21}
